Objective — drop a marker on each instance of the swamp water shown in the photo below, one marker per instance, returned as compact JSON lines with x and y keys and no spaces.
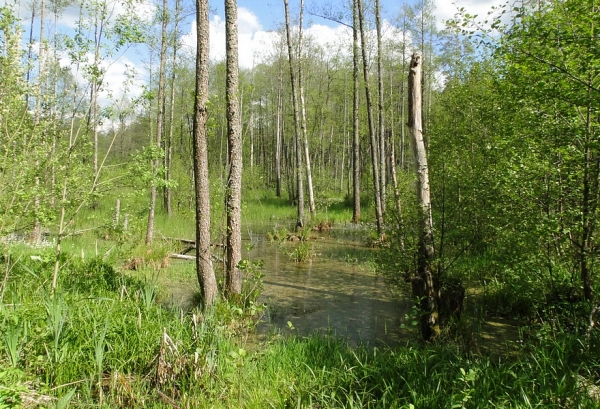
{"x":335,"y":292}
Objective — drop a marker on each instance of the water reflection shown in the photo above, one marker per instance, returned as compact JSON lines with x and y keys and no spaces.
{"x":334,"y":292}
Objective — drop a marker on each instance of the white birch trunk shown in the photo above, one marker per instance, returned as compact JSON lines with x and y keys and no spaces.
{"x":423,"y":285}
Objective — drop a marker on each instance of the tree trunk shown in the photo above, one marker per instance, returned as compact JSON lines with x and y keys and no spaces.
{"x":423,"y":283}
{"x":381,"y":125}
{"x":29,"y":52}
{"x":372,"y":136}
{"x":37,"y":224}
{"x":251,"y":130}
{"x":159,"y":120}
{"x":204,"y":267}
{"x":299,"y":187}
{"x":402,"y":100}
{"x":311,"y":196}
{"x":278,"y":136}
{"x":397,"y":199}
{"x":355,"y":123}
{"x":169,"y":142}
{"x":100,"y":15}
{"x":234,"y":136}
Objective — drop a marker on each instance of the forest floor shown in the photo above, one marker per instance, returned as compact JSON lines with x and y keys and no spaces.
{"x":123,"y":330}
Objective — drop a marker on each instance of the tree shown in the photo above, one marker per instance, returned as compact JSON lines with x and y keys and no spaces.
{"x":372,"y":135}
{"x":204,"y":267}
{"x":169,"y":142}
{"x":355,"y":121}
{"x":160,"y":118}
{"x":380,"y":122}
{"x":557,"y":87}
{"x":309,"y":180}
{"x":299,"y":186}
{"x":422,"y":283}
{"x":234,"y":136}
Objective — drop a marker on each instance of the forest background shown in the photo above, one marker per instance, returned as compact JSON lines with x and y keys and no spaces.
{"x":511,"y":117}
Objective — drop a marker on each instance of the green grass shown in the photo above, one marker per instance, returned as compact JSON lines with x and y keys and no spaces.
{"x":103,"y":340}
{"x":111,"y":337}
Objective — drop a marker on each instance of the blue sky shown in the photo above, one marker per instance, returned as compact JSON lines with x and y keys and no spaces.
{"x":270,"y":12}
{"x":258,"y":19}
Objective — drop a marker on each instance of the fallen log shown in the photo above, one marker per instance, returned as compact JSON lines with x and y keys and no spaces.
{"x":190,"y":242}
{"x":193,"y":258}
{"x":184,"y":241}
{"x":182,"y":257}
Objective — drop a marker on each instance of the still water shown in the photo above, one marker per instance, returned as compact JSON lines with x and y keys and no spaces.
{"x":335,"y":292}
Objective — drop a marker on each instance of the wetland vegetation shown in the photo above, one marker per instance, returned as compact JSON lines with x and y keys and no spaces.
{"x":113,"y":336}
{"x":475,"y":290}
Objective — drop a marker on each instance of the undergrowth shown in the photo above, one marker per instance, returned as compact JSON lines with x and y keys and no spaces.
{"x":102,"y":339}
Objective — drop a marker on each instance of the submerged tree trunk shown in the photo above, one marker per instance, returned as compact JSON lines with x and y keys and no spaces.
{"x":204,"y":267}
{"x":299,"y":187}
{"x":234,"y":135}
{"x":422,"y":284}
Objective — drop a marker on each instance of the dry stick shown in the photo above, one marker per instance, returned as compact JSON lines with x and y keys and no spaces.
{"x":61,"y":225}
{"x":182,"y":257}
{"x":6,"y":274}
{"x":588,"y":333}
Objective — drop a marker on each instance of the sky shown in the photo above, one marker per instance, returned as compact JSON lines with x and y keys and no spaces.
{"x":257,"y":21}
{"x":270,"y":13}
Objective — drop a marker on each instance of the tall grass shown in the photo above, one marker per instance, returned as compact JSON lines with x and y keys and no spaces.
{"x":103,"y":340}
{"x":108,"y":339}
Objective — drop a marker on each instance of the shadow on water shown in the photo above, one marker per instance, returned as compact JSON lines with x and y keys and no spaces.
{"x":336,"y":292}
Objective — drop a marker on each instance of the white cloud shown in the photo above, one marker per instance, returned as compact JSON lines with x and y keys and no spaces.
{"x":69,"y":16}
{"x":142,"y":9}
{"x":447,"y":9}
{"x":248,"y":22}
{"x":253,"y":42}
{"x":327,"y":36}
{"x":121,"y":77}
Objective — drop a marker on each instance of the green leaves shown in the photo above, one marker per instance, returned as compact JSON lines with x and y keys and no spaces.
{"x":129,"y":30}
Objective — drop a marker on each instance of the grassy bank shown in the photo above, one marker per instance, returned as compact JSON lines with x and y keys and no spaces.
{"x":104,"y":339}
{"x":111,"y":337}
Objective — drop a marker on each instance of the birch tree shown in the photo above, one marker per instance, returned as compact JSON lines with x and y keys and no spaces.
{"x":169,"y":141}
{"x":299,"y":185}
{"x":160,"y":118}
{"x":309,"y":182}
{"x":355,"y":123}
{"x":372,"y":135}
{"x":380,"y":123}
{"x":422,"y":284}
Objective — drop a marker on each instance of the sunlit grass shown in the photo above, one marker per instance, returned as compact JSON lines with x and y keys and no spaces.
{"x":106,"y":338}
{"x":115,"y":334}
